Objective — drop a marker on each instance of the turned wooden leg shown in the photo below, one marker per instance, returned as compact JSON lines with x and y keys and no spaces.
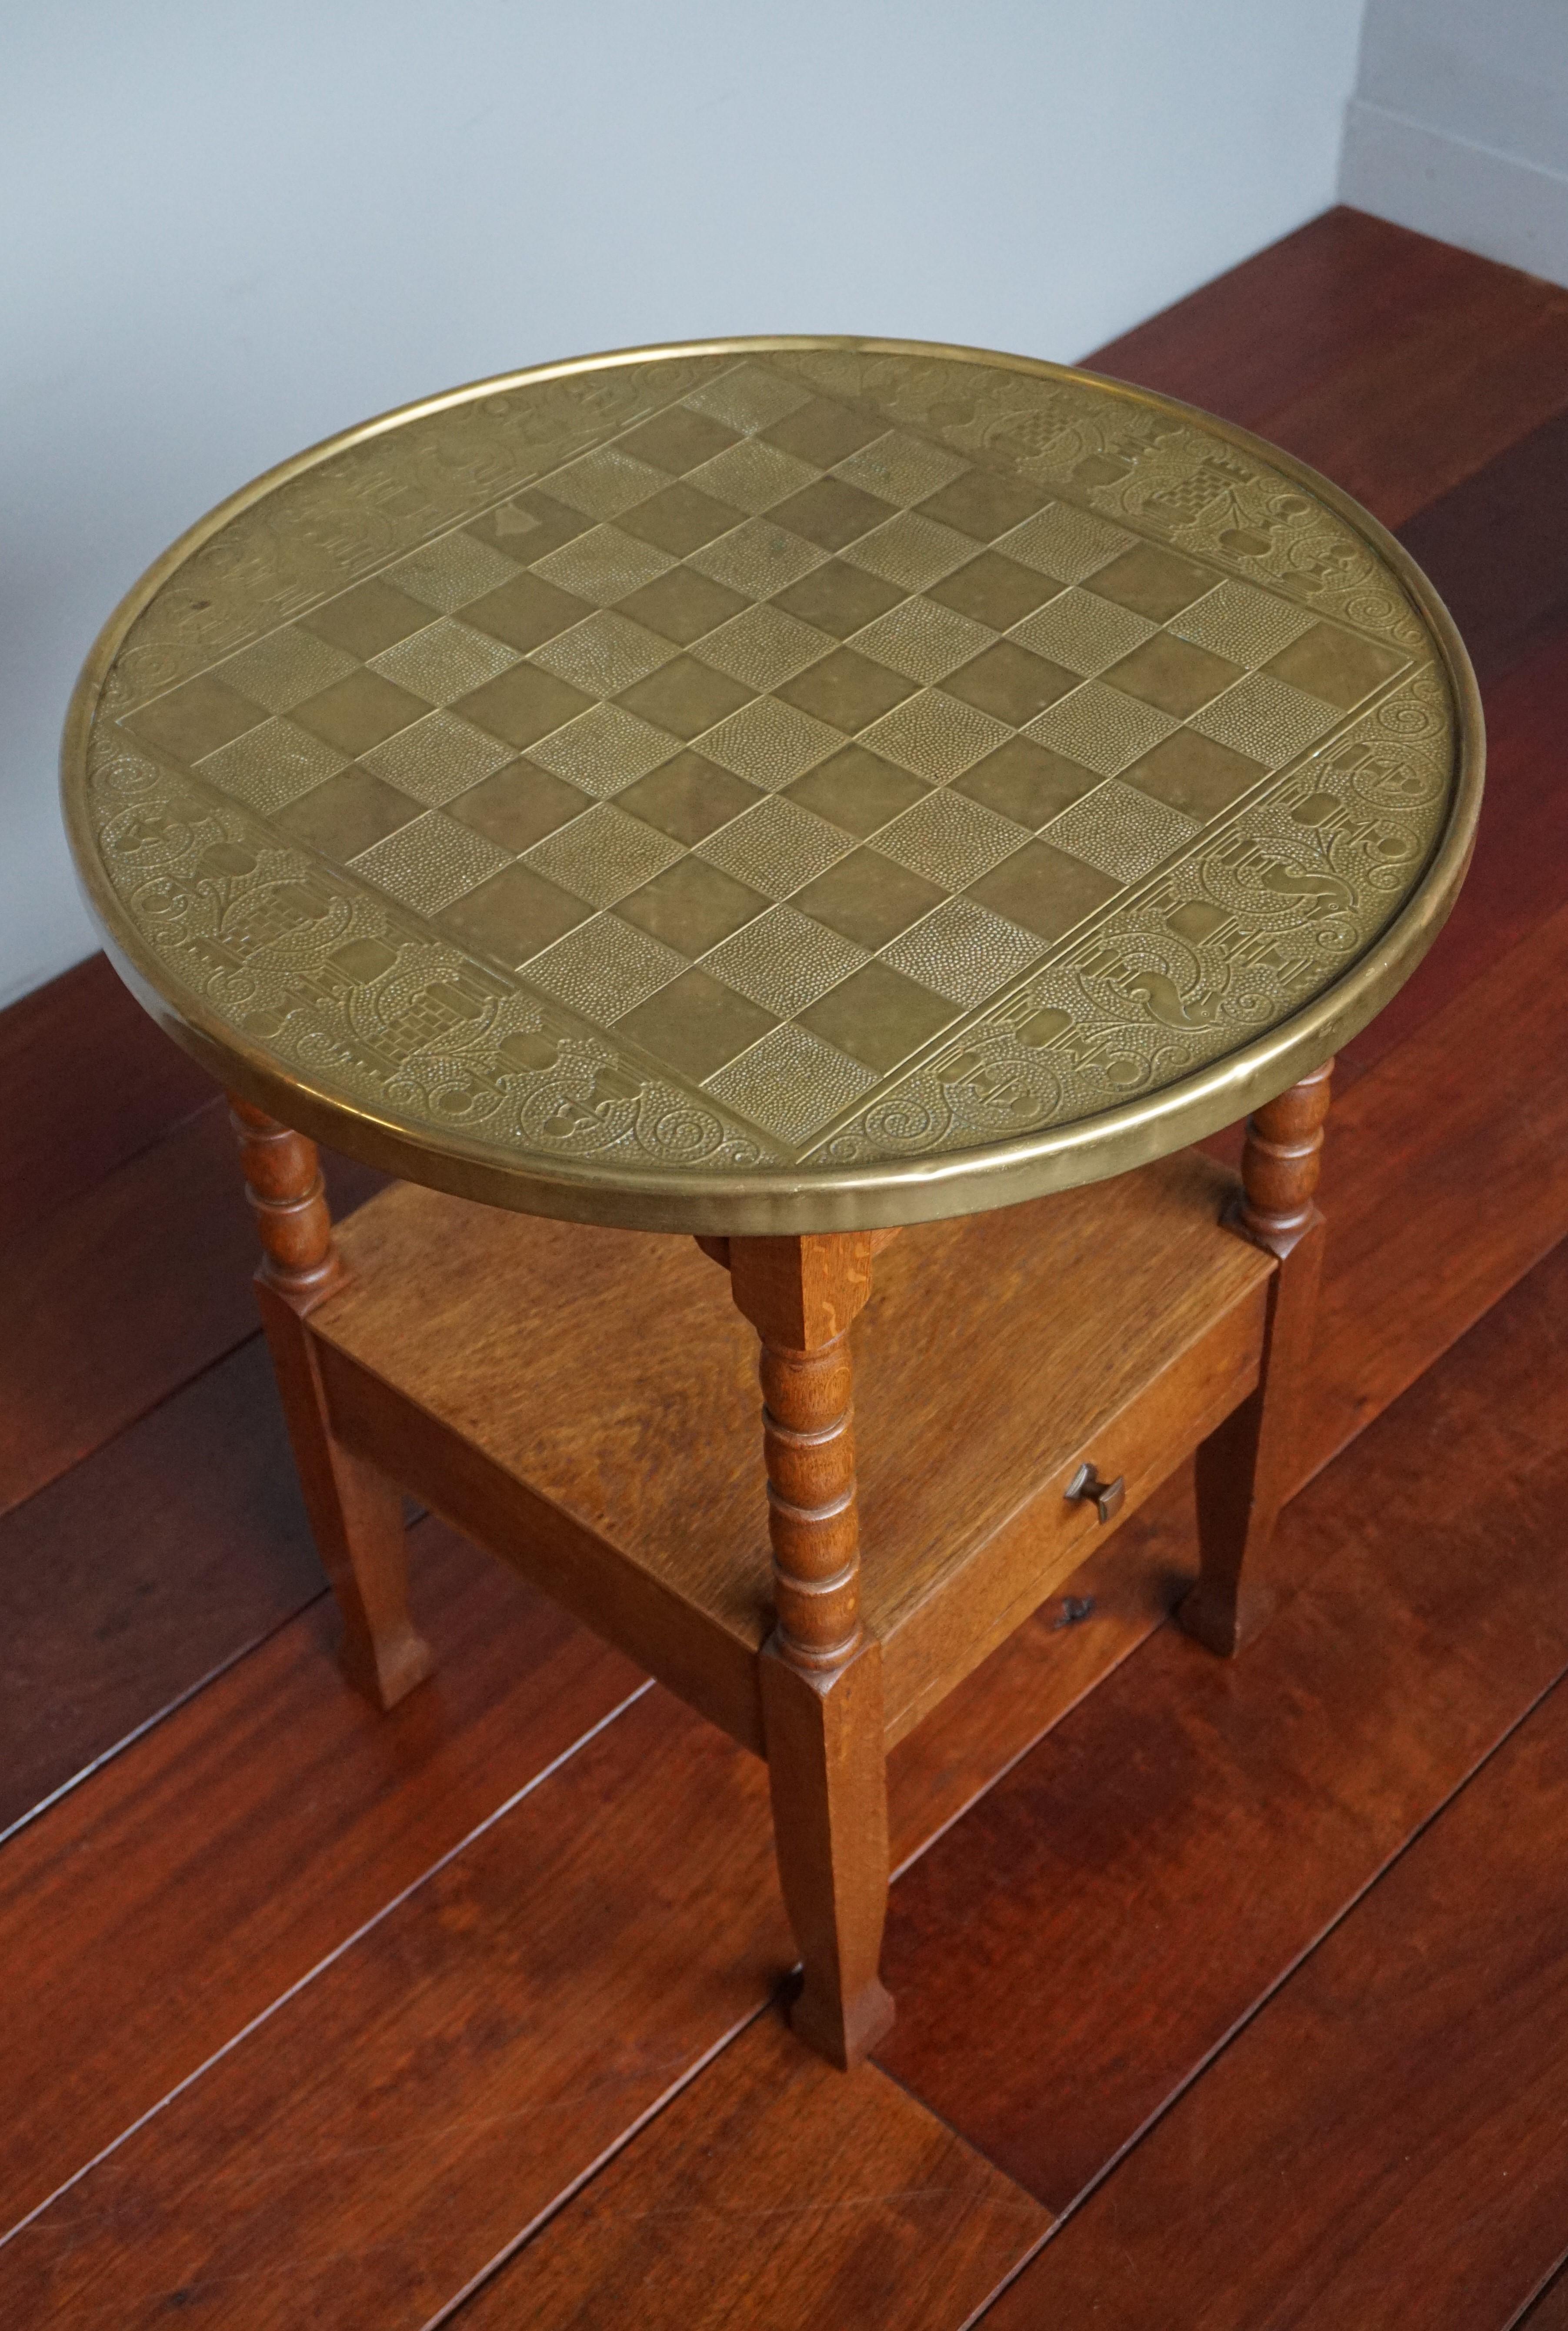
{"x":356,"y":1513}
{"x":821,"y":1673}
{"x":1247,"y":1469}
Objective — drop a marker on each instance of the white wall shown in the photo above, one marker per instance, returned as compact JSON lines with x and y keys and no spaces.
{"x":227,"y":229}
{"x":1459,"y":126}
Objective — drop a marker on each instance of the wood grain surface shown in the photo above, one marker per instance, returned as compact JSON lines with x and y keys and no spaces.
{"x":1442,"y":1187}
{"x":90,"y":1080}
{"x":1407,"y":2089}
{"x":1068,"y":1956}
{"x":392,"y":2128}
{"x":166,"y":1240}
{"x":776,"y":2193}
{"x":1518,"y":877}
{"x":652,"y":1442}
{"x":152,"y":1564}
{"x":154,"y":1914}
{"x":256,"y":1828}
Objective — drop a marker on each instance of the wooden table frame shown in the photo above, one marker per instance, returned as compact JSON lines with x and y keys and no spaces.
{"x":819,"y":1673}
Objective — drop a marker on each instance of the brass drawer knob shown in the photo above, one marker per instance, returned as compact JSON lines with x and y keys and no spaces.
{"x":1107,"y":1495}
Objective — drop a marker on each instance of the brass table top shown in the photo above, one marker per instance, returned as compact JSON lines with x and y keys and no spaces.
{"x":774,"y":786}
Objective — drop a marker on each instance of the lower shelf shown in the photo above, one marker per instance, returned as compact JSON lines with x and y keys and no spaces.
{"x":584,"y":1402}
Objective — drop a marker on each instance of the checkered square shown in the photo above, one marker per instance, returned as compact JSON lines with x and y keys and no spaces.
{"x":285,"y":668}
{"x":963,"y":951}
{"x":910,"y":550}
{"x":770,"y":743}
{"x":602,"y":566}
{"x":1100,"y":727}
{"x":922,"y":640}
{"x":1083,"y":632}
{"x":430,"y":862}
{"x":1065,"y":542}
{"x":1120,"y":830}
{"x":785,"y":960}
{"x":602,"y":855}
{"x":446,"y":575}
{"x":443,"y":662}
{"x":791,"y":1083}
{"x":606,"y":481}
{"x":749,"y":477}
{"x":605,"y":968}
{"x":1266,"y":718}
{"x":763,"y":646}
{"x":272,"y":765}
{"x":606,"y":654}
{"x":605,"y":749}
{"x":901,"y":469}
{"x":438,"y":758}
{"x":935,"y":735}
{"x":697,"y":1025}
{"x":776,"y":847}
{"x":950,"y":840}
{"x":758,"y":560}
{"x":1248,"y":626}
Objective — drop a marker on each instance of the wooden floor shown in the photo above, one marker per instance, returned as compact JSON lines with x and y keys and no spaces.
{"x":1238,"y":1997}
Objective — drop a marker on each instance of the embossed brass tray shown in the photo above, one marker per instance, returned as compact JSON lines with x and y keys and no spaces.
{"x":774,"y":786}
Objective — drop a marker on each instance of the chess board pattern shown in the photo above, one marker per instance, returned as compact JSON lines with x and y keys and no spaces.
{"x":776,"y":747}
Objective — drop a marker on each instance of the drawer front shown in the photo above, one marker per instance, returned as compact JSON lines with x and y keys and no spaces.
{"x":976,"y":1605}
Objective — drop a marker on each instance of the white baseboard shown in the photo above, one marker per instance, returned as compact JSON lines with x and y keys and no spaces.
{"x":1486,"y":201}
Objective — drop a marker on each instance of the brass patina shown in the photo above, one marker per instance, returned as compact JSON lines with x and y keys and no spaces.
{"x":774,"y":784}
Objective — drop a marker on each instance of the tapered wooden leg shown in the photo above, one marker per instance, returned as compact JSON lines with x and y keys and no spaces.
{"x":821,"y":1673}
{"x":356,"y":1513}
{"x":1245,"y":1468}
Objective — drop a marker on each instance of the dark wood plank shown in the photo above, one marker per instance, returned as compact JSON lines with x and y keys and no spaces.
{"x":151,"y":1915}
{"x":145,"y":1568}
{"x":1518,"y":877}
{"x":1398,"y":364}
{"x":1495,"y":548}
{"x":407,"y":2116}
{"x":1296,"y":315}
{"x":779,"y":2194}
{"x":1445,"y":1180}
{"x":125,"y":1294}
{"x":1550,"y":2312}
{"x":1409,"y":2088}
{"x":1068,"y":1956}
{"x":88,"y":1080}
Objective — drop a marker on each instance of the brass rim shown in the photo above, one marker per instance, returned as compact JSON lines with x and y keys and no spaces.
{"x":894,"y":1192}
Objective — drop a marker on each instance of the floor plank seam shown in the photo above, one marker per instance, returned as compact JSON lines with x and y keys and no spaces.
{"x":1028,"y":1748}
{"x":148,"y":1723}
{"x":596,"y":2168}
{"x":129,"y":1423}
{"x":1520,"y":2321}
{"x":165,"y":1132}
{"x":330,"y":1958}
{"x":1211,"y":2056}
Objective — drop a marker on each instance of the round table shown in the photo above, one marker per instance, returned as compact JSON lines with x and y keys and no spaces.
{"x":782,"y":790}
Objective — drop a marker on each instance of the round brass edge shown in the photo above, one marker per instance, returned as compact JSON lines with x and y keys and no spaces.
{"x":893,"y":1192}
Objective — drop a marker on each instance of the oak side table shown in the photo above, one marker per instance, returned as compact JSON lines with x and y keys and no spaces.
{"x":781,"y":791}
